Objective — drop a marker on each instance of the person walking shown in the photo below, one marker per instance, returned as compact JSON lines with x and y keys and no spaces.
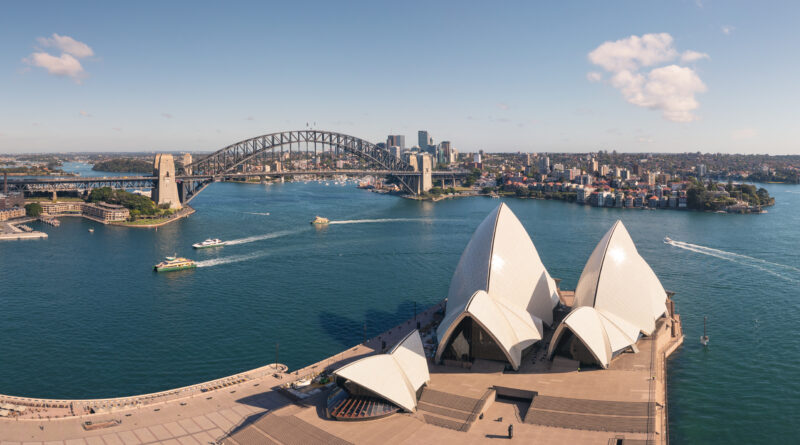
{"x":510,"y":431}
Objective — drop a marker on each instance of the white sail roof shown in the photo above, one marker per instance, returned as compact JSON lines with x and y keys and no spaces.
{"x":586,"y":324}
{"x":395,"y":376}
{"x":618,"y":281}
{"x":601,"y":333}
{"x":513,"y":329}
{"x":518,"y":293}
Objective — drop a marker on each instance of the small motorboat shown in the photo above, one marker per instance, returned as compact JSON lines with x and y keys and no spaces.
{"x":91,"y":229}
{"x":667,"y":240}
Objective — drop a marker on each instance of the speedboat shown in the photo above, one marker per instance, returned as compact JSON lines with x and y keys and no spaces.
{"x":320,"y":220}
{"x":91,"y":229}
{"x":215,"y":242}
{"x":667,"y":240}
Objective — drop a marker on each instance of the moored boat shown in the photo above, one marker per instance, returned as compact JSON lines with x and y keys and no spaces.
{"x":174,"y":263}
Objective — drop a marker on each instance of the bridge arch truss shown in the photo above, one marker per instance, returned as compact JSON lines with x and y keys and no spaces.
{"x":273,"y":146}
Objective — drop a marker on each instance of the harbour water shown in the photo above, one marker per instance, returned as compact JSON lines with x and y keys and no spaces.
{"x":83,"y":315}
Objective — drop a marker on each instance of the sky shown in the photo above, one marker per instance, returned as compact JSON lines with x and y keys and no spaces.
{"x":501,"y":76}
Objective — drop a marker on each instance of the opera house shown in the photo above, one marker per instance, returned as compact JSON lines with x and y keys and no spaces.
{"x":507,"y":352}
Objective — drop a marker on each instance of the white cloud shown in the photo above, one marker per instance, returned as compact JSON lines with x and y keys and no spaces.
{"x":66,"y":45}
{"x":727,"y":30}
{"x":744,"y":133}
{"x":594,"y":76}
{"x":65,"y":65}
{"x":693,"y":56}
{"x":644,"y":140}
{"x":670,"y":89}
{"x":634,"y":52}
{"x":85,"y":113}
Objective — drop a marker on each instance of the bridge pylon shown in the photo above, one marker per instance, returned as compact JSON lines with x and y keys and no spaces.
{"x":166,"y":189}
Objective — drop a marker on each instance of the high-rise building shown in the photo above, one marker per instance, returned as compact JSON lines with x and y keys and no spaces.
{"x":477,"y":158}
{"x":603,"y":170}
{"x":396,"y":140}
{"x":701,"y":170}
{"x":544,"y":165}
{"x":593,"y":166}
{"x":425,"y":142}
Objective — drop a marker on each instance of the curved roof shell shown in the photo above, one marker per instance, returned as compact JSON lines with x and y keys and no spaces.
{"x":617,"y":281}
{"x":396,"y":375}
{"x":501,"y":283}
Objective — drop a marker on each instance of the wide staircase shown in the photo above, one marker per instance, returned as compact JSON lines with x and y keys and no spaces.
{"x":272,"y":429}
{"x":597,"y":415}
{"x":448,"y":410}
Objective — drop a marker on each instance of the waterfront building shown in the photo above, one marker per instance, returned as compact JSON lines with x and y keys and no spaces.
{"x":619,"y":199}
{"x":101,"y":211}
{"x":586,"y":180}
{"x":106,"y":212}
{"x":628,"y":201}
{"x":11,"y":213}
{"x":500,"y":296}
{"x":618,"y":298}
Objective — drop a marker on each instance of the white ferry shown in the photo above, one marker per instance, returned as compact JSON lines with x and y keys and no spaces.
{"x":215,"y":242}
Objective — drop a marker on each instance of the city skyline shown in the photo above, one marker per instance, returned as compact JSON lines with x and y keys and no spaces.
{"x":680,"y":77}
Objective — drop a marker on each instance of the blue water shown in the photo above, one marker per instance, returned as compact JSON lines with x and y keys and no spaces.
{"x":83,"y":315}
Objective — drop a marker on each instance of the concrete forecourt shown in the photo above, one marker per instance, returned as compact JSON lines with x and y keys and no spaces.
{"x":482,"y":369}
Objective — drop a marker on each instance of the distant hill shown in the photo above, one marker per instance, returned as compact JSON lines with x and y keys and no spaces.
{"x":124,"y":165}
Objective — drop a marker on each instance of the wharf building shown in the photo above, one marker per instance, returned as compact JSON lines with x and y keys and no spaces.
{"x":11,"y":213}
{"x":101,"y":212}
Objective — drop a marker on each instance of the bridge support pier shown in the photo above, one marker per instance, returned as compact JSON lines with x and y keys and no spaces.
{"x":166,"y":189}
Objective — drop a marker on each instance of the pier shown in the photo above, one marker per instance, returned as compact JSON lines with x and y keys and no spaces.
{"x":17,"y":230}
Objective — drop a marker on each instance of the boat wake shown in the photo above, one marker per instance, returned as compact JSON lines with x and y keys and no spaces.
{"x":231,"y":259}
{"x":776,"y":269}
{"x":258,"y":213}
{"x":252,"y":239}
{"x":384,"y":220}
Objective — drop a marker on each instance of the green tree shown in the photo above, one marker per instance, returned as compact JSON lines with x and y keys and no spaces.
{"x":33,"y":209}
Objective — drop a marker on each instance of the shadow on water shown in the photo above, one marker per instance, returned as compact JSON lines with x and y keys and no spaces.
{"x":348,"y":331}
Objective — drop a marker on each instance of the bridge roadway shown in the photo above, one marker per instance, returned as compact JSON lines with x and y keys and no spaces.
{"x":146,"y":182}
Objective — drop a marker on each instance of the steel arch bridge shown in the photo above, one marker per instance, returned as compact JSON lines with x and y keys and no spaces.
{"x":275,"y":146}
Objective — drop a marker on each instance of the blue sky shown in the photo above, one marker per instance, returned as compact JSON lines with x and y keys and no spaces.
{"x":498,"y":76}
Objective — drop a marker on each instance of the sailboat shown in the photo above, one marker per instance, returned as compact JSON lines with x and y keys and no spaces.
{"x":704,"y":338}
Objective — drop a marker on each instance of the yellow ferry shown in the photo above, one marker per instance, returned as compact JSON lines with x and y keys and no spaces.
{"x":174,"y":263}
